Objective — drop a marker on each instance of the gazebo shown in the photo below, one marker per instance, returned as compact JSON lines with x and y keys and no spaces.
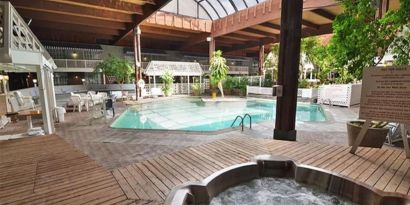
{"x":21,"y":51}
{"x":182,"y":69}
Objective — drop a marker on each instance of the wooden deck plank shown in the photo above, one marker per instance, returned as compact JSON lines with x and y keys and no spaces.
{"x":47,"y":170}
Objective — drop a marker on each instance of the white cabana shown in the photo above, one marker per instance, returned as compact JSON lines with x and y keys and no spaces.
{"x":183,"y":69}
{"x":21,"y":51}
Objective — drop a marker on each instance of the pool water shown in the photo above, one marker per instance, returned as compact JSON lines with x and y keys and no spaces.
{"x":195,"y":115}
{"x":276,"y":191}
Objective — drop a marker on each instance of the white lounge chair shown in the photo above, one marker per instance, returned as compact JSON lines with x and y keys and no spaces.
{"x":95,"y":98}
{"x":76,"y":102}
{"x":19,"y":102}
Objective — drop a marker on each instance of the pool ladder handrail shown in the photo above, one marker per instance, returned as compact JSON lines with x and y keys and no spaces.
{"x":242,"y":120}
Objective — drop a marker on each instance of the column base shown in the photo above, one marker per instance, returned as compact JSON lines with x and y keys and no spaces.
{"x":284,"y":135}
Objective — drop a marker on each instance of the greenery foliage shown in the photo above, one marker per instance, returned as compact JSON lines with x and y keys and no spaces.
{"x":168,"y":80}
{"x":218,"y":70}
{"x":117,"y":67}
{"x":196,"y":87}
{"x":400,"y":47}
{"x":359,"y":37}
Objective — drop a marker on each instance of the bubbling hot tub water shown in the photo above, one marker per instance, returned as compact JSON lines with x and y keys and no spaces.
{"x":276,"y":191}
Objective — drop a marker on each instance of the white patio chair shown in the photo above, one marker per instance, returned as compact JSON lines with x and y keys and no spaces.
{"x":76,"y":102}
{"x":19,"y":102}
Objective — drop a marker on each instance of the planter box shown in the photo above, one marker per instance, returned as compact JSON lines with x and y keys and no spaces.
{"x":375,"y":137}
{"x":340,"y":94}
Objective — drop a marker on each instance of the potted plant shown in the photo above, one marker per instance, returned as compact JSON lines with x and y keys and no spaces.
{"x":168,"y":80}
{"x":218,"y":71}
{"x":374,"y":137}
{"x":228,"y":85}
{"x":196,"y":88}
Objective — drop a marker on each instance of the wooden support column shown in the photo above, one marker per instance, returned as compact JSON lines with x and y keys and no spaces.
{"x":383,"y":8}
{"x":289,"y":56}
{"x":137,"y":59}
{"x":261,"y":59}
{"x":211,"y":41}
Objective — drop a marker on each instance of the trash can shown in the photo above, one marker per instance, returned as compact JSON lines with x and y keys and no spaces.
{"x":60,"y":113}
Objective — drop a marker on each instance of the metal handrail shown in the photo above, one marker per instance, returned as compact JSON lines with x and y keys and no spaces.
{"x":242,"y":121}
{"x":233,"y":123}
{"x":250,"y":120}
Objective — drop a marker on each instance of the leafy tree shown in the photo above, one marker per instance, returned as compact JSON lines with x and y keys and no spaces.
{"x":359,"y":37}
{"x":219,"y":70}
{"x":168,"y":79}
{"x":120,"y":68}
{"x":271,"y":62}
{"x":400,"y":48}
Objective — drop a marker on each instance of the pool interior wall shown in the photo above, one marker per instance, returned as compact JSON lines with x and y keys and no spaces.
{"x":192,"y":114}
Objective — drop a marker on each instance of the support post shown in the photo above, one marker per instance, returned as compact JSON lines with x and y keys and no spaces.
{"x":189,"y":87}
{"x":211,"y":48}
{"x":261,"y":59}
{"x":360,"y":136}
{"x":200,"y":84}
{"x":289,"y":55}
{"x":405,"y":140}
{"x":45,"y":107}
{"x":137,"y":60}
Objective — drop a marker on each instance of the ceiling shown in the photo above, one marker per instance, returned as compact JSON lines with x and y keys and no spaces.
{"x":85,"y":21}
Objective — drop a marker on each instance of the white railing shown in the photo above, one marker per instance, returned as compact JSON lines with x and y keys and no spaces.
{"x":232,"y":69}
{"x":74,"y":63}
{"x":15,"y":33}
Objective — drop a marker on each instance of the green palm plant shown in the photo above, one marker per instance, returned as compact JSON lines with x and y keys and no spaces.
{"x":168,"y":79}
{"x":219,"y":70}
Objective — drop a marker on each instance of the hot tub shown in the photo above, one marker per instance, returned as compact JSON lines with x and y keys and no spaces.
{"x":277,"y":167}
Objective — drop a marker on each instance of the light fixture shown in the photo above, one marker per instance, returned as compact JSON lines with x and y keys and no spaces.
{"x":34,"y":81}
{"x":83,"y":80}
{"x":145,"y":59}
{"x":74,"y":54}
{"x":76,"y":77}
{"x":209,"y":39}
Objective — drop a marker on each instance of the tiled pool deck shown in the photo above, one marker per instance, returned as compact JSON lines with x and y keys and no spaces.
{"x":141,"y":167}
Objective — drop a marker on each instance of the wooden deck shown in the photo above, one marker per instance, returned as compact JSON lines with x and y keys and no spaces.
{"x":47,"y":170}
{"x":384,"y":169}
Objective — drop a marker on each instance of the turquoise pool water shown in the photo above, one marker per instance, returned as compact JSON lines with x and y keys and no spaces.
{"x":195,"y":115}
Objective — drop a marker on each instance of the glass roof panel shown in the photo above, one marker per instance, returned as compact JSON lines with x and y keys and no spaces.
{"x":251,"y":2}
{"x":208,"y":9}
{"x":211,"y":11}
{"x":240,"y":4}
{"x":228,"y":6}
{"x":218,"y":7}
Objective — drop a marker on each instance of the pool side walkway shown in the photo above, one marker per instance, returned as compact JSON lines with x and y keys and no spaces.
{"x":48,"y":170}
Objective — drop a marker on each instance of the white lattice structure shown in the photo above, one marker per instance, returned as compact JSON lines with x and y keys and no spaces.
{"x":21,"y":51}
{"x":340,"y":94}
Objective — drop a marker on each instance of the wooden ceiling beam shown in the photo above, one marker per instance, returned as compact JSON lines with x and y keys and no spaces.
{"x":78,"y":28}
{"x":194,"y":40}
{"x":162,"y":37}
{"x":148,"y":10}
{"x":325,"y":14}
{"x":256,"y":31}
{"x":63,"y":36}
{"x":310,"y":24}
{"x":271,"y":25}
{"x":306,"y":32}
{"x":162,"y":31}
{"x":109,"y":5}
{"x":67,"y":19}
{"x":267,"y":11}
{"x":72,"y":10}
